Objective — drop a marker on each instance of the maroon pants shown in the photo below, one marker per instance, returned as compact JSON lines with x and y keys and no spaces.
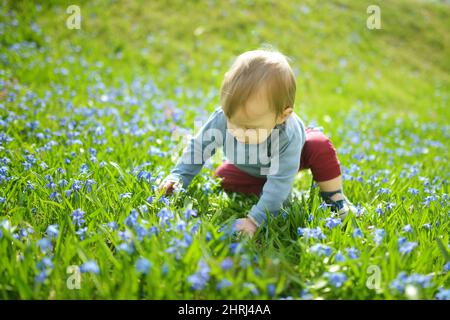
{"x":318,"y":155}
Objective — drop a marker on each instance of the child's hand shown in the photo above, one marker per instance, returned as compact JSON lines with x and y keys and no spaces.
{"x":167,"y":187}
{"x":246,"y":226}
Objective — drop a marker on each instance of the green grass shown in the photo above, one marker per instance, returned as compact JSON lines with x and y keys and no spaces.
{"x":381,"y":95}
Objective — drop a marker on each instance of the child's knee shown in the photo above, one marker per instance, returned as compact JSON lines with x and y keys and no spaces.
{"x":319,"y":143}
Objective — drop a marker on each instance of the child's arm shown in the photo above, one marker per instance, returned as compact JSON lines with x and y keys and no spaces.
{"x":200,"y":148}
{"x":279,"y":185}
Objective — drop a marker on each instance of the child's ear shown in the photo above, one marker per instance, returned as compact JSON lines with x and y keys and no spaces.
{"x":286,"y":113}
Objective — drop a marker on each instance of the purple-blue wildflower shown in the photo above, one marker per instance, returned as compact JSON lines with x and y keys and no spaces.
{"x":378,"y":235}
{"x":405,"y":247}
{"x":357,"y":233}
{"x":224,"y":283}
{"x":45,"y":245}
{"x":352,"y":253}
{"x":443,"y":294}
{"x":199,"y":279}
{"x":407,"y":228}
{"x":143,"y":265}
{"x":308,"y":233}
{"x":331,"y":223}
{"x":165,"y":215}
{"x":90,"y":266}
{"x":78,"y":217}
{"x":52,"y":231}
{"x":226,"y":264}
{"x":321,"y":249}
{"x":339,"y":257}
{"x":336,"y":279}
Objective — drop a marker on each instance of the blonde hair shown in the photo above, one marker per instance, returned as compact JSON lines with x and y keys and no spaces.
{"x":254,"y":70}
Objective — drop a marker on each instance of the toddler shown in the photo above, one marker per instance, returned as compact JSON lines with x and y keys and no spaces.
{"x":264,"y":141}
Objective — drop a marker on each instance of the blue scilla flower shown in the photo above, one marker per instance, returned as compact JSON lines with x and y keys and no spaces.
{"x":52,"y":231}
{"x":245,"y":262}
{"x":402,"y":280}
{"x":352,"y":253}
{"x":199,"y":279}
{"x":143,"y":208}
{"x":447,"y":267}
{"x":195,"y":227}
{"x":271,"y":289}
{"x":336,"y":279}
{"x":30,"y":186}
{"x":165,"y":269}
{"x":42,"y":276}
{"x":443,"y":294}
{"x":78,"y":217}
{"x":252,"y":287}
{"x":51,"y":185}
{"x":125,"y":195}
{"x":383,"y":191}
{"x":236,"y":247}
{"x":180,"y":226}
{"x":224,"y":283}
{"x":126,"y":247}
{"x":143,"y":265}
{"x":379,"y":210}
{"x":84,"y":168}
{"x":413,"y":191}
{"x":124,"y":235}
{"x":339,"y":257}
{"x":307,"y":233}
{"x":378,"y":235}
{"x":323,"y":206}
{"x":131,"y":219}
{"x":427,"y":226}
{"x":45,"y":245}
{"x":390,"y":206}
{"x":165,"y":200}
{"x":407,"y":228}
{"x":88,"y":184}
{"x":321,"y":249}
{"x":55,"y":196}
{"x":90,"y":266}
{"x":165,"y":215}
{"x":153,"y":230}
{"x":226,"y":264}
{"x":76,"y":186}
{"x":188,"y":213}
{"x":144,"y":175}
{"x":141,"y":232}
{"x":45,"y":263}
{"x":357,"y":233}
{"x":81,"y":233}
{"x":331,"y":223}
{"x":113,"y":225}
{"x":63,"y":183}
{"x":26,"y":166}
{"x":23,"y":233}
{"x":405,"y":247}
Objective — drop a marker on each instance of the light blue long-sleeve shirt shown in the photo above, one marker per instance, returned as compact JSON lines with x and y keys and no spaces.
{"x":259,"y":160}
